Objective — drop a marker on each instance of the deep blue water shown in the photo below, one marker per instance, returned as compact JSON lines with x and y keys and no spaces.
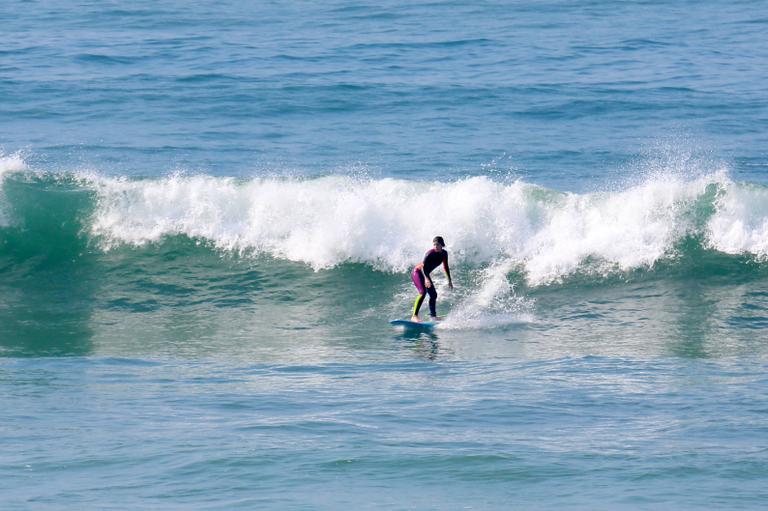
{"x":558,"y":92}
{"x":208,"y":213}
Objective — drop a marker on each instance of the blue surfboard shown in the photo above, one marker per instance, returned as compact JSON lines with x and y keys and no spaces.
{"x":424,"y":326}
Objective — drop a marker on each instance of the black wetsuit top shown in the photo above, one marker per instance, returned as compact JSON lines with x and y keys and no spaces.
{"x":433,"y":259}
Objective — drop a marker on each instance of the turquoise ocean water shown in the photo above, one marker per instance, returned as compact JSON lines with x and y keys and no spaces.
{"x":208,"y":212}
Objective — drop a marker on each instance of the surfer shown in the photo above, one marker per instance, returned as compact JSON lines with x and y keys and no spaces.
{"x":423,"y":282}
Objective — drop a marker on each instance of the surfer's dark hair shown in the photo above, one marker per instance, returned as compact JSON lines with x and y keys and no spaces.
{"x":439,"y":239}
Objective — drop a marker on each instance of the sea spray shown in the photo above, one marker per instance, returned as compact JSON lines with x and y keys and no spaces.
{"x":491,"y":301}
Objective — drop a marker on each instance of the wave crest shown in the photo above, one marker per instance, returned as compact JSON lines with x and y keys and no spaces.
{"x":543,"y":234}
{"x":388,"y":223}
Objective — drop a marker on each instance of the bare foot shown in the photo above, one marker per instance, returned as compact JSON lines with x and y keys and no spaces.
{"x":415,"y":319}
{"x":435,"y":319}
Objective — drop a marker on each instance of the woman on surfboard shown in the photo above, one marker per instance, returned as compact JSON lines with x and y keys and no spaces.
{"x":421,"y":279}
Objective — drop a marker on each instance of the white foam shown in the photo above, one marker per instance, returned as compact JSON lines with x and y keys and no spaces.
{"x":740,"y":222}
{"x":323,"y":222}
{"x":619,"y":231}
{"x":9,"y":163}
{"x":389,"y":223}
